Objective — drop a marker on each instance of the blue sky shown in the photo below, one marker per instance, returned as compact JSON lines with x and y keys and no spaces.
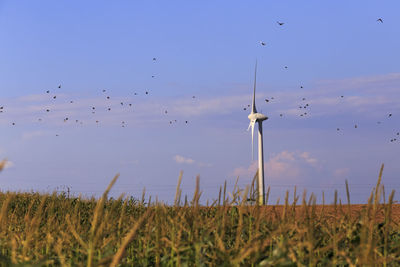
{"x":207,"y":50}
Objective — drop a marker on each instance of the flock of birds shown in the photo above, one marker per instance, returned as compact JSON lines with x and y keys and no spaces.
{"x":303,"y":106}
{"x":93,"y":109}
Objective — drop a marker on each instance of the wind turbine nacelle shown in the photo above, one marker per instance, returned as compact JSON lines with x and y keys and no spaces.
{"x":257,"y":117}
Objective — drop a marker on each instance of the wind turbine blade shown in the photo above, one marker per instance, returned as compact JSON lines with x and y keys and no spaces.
{"x":252,"y":123}
{"x":253,"y":106}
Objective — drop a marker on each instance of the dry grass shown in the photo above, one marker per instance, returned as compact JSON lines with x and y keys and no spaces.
{"x":2,"y":164}
{"x":57,"y":230}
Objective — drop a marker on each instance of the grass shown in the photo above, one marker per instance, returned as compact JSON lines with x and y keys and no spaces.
{"x":55,"y":229}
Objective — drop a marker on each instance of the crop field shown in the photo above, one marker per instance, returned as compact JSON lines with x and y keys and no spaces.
{"x":57,"y":230}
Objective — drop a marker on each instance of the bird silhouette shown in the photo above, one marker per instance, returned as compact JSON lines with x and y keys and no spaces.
{"x":262,"y":43}
{"x":380,"y":20}
{"x":280,"y":23}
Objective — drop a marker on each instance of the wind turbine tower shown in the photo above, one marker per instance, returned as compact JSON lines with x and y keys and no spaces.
{"x":259,"y":118}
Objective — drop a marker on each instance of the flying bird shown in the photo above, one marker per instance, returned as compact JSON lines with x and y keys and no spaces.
{"x":262,"y":43}
{"x":380,"y":20}
{"x":59,"y":86}
{"x":280,"y":23}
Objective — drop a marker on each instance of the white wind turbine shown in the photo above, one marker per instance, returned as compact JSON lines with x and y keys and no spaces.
{"x":258,"y":117}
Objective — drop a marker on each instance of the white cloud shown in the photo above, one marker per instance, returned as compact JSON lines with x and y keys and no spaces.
{"x":285,"y":166}
{"x":183,"y":160}
{"x":361,"y":94}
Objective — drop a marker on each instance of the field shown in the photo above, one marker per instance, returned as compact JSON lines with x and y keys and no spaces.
{"x":54,"y":229}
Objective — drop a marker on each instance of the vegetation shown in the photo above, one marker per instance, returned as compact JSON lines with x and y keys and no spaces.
{"x":52,"y":230}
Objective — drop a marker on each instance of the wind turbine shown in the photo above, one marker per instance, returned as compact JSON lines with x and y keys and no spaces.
{"x":258,"y":117}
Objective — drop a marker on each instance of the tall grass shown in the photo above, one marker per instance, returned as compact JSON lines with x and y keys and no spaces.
{"x":54,"y":229}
